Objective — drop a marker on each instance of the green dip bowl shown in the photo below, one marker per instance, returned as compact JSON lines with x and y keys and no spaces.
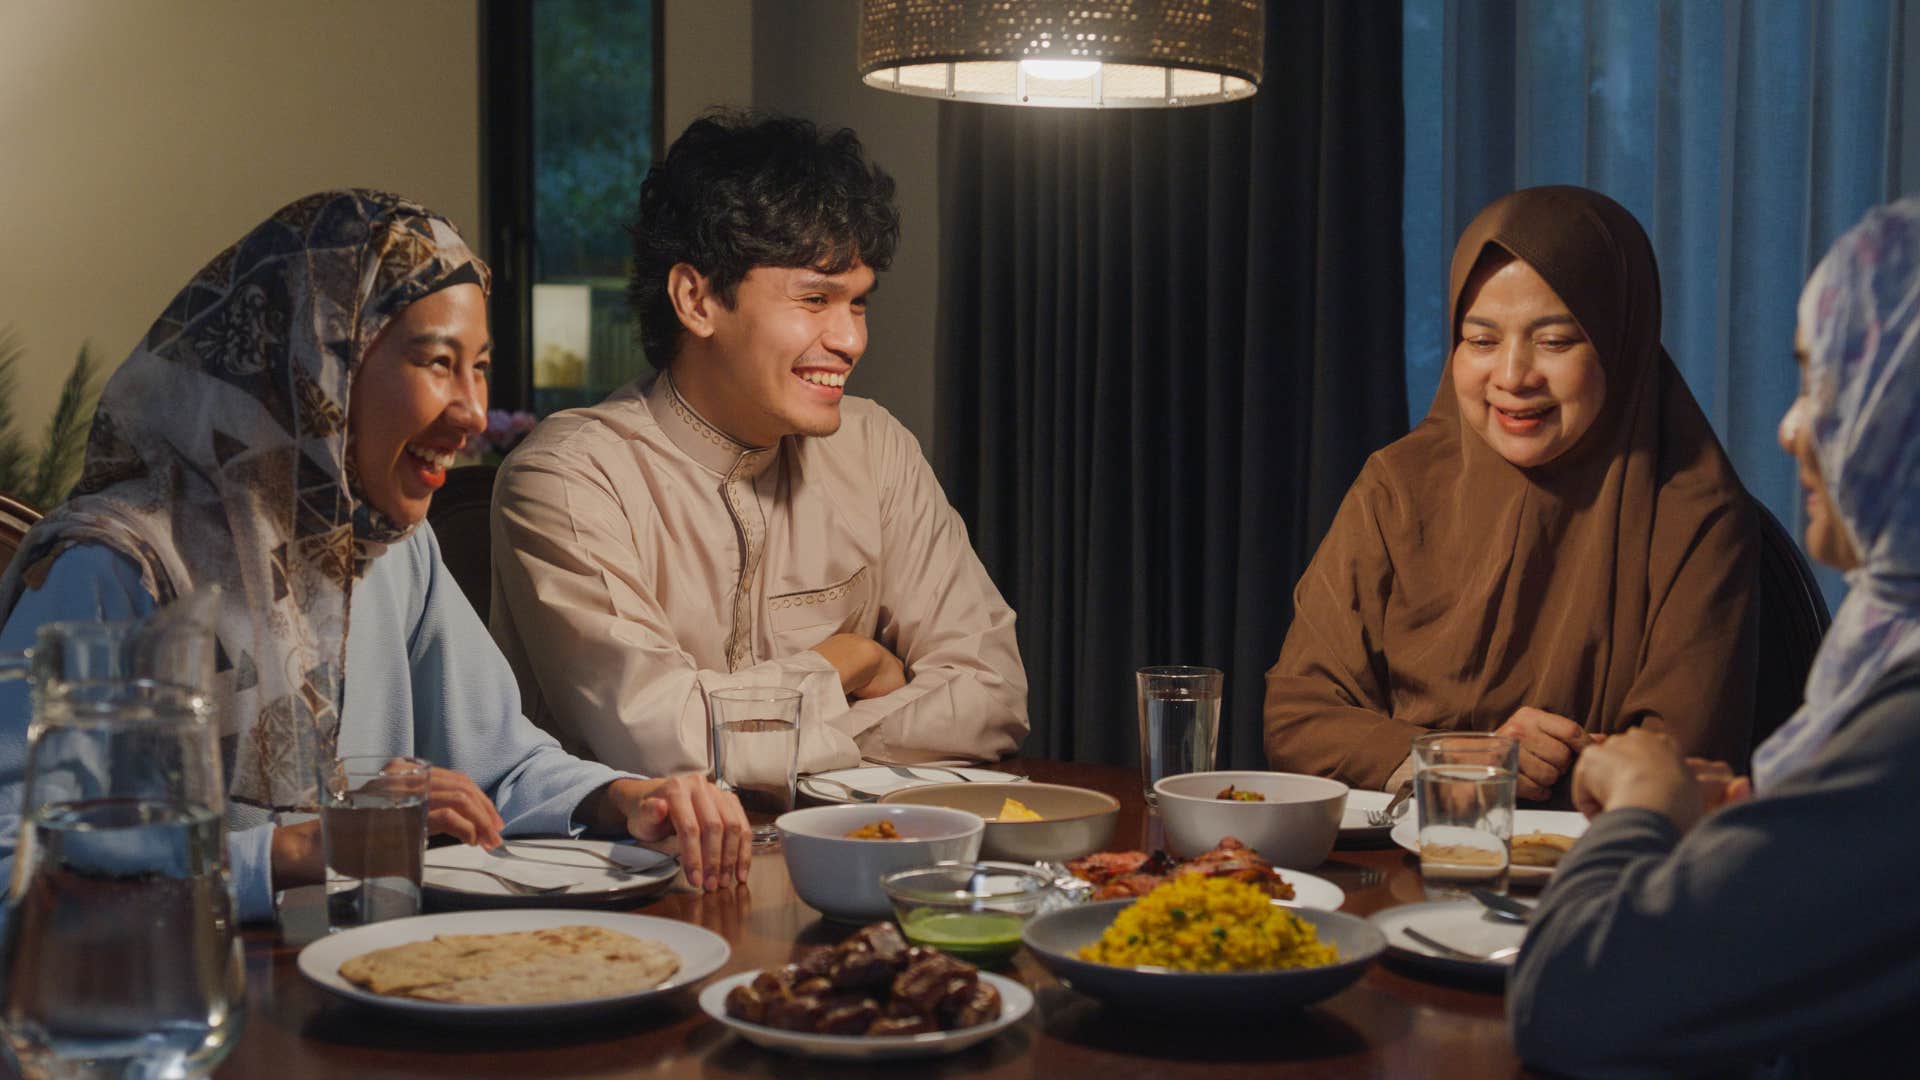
{"x":972,"y":910}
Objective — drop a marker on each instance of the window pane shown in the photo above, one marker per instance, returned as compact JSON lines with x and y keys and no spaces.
{"x":593,"y":87}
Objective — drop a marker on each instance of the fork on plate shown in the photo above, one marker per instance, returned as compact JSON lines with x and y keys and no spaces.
{"x":854,"y":793}
{"x":1381,"y":818}
{"x":611,"y":863}
{"x":907,"y":773}
{"x":517,"y":888}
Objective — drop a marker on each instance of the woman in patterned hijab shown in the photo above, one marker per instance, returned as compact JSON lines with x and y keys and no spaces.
{"x":243,"y":478}
{"x":1856,"y":432}
{"x":282,"y":425}
{"x":1715,"y":941}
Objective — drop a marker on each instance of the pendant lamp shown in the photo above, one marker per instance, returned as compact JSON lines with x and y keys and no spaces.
{"x":1065,"y":53}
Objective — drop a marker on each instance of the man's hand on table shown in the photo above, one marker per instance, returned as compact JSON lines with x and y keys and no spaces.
{"x":716,"y":845}
{"x":867,"y":668}
{"x":1548,"y":745}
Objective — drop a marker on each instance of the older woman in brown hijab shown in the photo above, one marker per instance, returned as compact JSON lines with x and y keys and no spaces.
{"x":1561,"y":548}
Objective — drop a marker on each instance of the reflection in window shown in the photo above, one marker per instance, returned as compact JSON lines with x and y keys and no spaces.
{"x":594,"y":124}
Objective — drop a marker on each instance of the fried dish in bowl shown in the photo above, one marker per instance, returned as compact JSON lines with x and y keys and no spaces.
{"x":875,"y":830}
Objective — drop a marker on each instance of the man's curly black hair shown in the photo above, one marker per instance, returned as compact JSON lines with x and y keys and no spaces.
{"x":745,"y":188}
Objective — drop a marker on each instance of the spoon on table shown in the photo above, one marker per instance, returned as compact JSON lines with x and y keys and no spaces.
{"x":1503,"y":907}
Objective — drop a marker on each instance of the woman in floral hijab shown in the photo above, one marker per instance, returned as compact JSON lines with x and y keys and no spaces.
{"x":230,"y":449}
{"x":1776,"y":933}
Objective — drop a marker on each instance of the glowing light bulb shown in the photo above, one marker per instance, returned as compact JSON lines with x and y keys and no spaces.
{"x":1060,"y":70}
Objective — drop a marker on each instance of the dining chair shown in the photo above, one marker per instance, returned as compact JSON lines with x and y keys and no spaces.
{"x":1792,"y":616}
{"x":16,"y":518}
{"x":460,"y":514}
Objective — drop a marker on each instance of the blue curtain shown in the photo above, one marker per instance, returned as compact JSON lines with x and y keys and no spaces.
{"x":1745,"y":136}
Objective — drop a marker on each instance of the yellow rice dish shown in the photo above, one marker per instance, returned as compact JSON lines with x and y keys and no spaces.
{"x":1196,"y":923}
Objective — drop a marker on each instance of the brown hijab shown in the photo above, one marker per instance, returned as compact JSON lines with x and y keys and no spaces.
{"x":1612,"y":585}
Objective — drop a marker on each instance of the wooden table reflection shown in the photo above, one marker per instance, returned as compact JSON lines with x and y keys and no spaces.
{"x":1393,"y":1022}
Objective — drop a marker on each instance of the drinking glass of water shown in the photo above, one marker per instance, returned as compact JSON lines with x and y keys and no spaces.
{"x":1179,"y":722}
{"x":756,"y":750}
{"x":373,"y":824}
{"x":1463,"y":789}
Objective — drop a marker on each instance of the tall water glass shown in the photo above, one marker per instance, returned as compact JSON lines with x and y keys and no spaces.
{"x":756,"y":750}
{"x":1464,"y":790}
{"x":120,"y":956}
{"x":1179,"y":722}
{"x":373,"y":827}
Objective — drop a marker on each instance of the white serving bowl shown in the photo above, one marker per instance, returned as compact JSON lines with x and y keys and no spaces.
{"x":1296,"y":825}
{"x":840,"y":876}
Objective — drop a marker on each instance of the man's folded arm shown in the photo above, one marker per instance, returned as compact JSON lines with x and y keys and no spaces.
{"x":966,"y":692}
{"x":596,"y":647}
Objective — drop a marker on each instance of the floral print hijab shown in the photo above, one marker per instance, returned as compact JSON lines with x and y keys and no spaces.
{"x":1860,"y":314}
{"x":219,"y":456}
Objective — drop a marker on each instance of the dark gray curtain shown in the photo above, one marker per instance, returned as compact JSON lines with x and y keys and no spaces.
{"x":1167,"y":341}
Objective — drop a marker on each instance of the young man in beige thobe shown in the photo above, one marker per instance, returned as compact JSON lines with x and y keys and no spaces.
{"x":736,"y":520}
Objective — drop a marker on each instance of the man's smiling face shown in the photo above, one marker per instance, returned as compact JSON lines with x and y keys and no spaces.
{"x":778,"y":357}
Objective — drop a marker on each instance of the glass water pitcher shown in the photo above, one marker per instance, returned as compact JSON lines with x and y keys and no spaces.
{"x":119,"y":955}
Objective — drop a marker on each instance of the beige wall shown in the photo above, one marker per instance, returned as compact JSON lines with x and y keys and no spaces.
{"x":803,"y":63}
{"x":139,"y":138}
{"x":709,"y":58}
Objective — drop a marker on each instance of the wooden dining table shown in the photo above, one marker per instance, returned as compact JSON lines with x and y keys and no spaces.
{"x":1397,"y":1020}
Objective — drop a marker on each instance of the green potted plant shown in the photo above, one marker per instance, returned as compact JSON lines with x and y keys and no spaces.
{"x":43,"y":475}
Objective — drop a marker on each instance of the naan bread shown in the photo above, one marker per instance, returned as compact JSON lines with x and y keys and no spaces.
{"x":563,"y":963}
{"x":1540,"y":848}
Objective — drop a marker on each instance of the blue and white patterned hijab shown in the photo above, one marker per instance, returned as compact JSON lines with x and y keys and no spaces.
{"x":1860,"y":315}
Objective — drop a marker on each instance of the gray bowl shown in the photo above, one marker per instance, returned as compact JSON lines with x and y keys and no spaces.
{"x":1073,"y":820}
{"x":1055,"y":939}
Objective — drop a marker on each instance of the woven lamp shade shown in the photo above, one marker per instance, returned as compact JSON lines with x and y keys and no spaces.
{"x":1065,"y":53}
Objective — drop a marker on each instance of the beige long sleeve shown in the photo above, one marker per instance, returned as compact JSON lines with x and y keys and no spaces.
{"x":642,"y":560}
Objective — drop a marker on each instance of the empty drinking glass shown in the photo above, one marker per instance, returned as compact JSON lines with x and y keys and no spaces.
{"x":1179,"y":722}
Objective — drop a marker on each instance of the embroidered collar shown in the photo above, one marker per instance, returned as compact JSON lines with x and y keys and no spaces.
{"x":701,"y":440}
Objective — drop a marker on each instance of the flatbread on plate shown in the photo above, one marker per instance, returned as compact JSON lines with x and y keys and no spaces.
{"x":562,"y":963}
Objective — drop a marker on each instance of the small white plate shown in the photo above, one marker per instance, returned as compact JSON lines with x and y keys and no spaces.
{"x":881,"y":780}
{"x":546,"y":862}
{"x":1353,"y":820}
{"x":1463,"y":924}
{"x":1015,"y":1002}
{"x":702,"y":952}
{"x":1312,"y":892}
{"x":1406,"y":833}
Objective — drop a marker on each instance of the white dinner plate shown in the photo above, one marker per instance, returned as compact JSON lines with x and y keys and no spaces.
{"x":1312,"y":892}
{"x":702,"y":952}
{"x":880,"y":780}
{"x":448,"y":882}
{"x":1463,"y":924}
{"x":1406,"y":833}
{"x":1353,"y":820}
{"x":1015,"y":1002}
